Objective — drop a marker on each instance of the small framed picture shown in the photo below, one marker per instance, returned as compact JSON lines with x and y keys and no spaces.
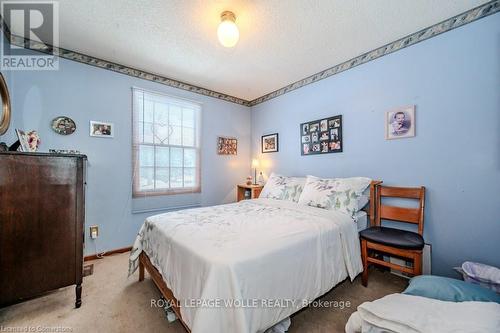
{"x":400,"y":123}
{"x":227,"y":146}
{"x":23,"y":140}
{"x":269,"y":143}
{"x":28,"y":141}
{"x":102,"y":129}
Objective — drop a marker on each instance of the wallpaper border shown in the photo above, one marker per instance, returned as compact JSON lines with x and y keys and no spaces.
{"x":419,"y":36}
{"x":469,"y":16}
{"x":112,"y":66}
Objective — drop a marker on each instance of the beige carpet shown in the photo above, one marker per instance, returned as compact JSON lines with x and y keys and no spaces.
{"x":113,"y":303}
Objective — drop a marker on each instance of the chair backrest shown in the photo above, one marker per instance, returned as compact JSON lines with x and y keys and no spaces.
{"x":401,"y":214}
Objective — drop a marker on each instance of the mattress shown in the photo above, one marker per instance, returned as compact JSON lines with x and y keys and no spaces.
{"x":262,"y":260}
{"x":361,"y":219}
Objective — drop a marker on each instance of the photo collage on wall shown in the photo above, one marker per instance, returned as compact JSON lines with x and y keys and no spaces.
{"x":321,"y":136}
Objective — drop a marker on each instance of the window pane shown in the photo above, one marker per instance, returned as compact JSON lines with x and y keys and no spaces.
{"x":148,"y":133}
{"x":138,"y":106}
{"x":176,"y":177}
{"x":175,"y":136}
{"x":162,"y":178}
{"x":148,"y":110}
{"x":146,"y":179}
{"x":146,"y":156}
{"x":176,"y":157}
{"x":138,"y":131}
{"x":162,"y":156}
{"x":188,"y":136}
{"x":188,"y":118}
{"x":161,"y":134}
{"x":189,"y":177}
{"x":175,"y":114}
{"x":189,"y":157}
{"x":161,"y":113}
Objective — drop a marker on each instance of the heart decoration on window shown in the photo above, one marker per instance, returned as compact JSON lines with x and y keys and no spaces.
{"x":162,"y":132}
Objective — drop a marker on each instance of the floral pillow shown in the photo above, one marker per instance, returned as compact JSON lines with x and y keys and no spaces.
{"x":342,"y":194}
{"x":283,"y":188}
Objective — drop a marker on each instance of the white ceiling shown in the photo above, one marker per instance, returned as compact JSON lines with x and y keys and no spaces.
{"x":281,"y":41}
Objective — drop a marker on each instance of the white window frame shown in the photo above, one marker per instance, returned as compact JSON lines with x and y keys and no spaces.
{"x":136,"y":167}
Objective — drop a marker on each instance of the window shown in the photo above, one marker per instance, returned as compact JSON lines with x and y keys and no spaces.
{"x":166,"y":144}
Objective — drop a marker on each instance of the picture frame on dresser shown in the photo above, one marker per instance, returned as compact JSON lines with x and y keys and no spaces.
{"x":321,"y":136}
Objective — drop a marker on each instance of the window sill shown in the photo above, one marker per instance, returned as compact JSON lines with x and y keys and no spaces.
{"x":145,"y":194}
{"x":165,"y":209}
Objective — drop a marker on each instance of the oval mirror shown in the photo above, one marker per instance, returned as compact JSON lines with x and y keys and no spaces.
{"x":5,"y":111}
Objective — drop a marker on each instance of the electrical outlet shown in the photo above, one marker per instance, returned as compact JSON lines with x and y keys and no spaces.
{"x":94,"y":231}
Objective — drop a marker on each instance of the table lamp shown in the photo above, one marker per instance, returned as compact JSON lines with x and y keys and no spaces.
{"x":255,"y":165}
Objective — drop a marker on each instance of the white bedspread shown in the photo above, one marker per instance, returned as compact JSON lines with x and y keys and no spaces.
{"x":414,"y":314}
{"x":271,"y":256}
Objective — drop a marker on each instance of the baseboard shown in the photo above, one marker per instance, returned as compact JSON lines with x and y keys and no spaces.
{"x":107,"y":253}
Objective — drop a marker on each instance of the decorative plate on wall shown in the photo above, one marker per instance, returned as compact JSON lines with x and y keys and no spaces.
{"x":63,"y":125}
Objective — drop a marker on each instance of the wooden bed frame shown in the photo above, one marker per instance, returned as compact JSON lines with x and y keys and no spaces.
{"x":145,"y":263}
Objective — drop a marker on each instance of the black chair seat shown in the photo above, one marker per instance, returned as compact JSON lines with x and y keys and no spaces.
{"x":393,"y":237}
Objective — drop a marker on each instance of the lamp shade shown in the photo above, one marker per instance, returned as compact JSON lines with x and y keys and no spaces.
{"x":255,"y":163}
{"x":228,"y":32}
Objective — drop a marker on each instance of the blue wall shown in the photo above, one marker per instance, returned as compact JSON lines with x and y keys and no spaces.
{"x":454,"y":81}
{"x":87,"y":93}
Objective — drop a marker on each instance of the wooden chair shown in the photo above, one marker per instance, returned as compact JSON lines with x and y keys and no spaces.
{"x":396,"y":242}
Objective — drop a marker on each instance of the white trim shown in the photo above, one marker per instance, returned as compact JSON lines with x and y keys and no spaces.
{"x":167,"y":95}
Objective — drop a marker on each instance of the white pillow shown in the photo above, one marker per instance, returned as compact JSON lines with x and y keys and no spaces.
{"x":341,"y":194}
{"x":283,"y":188}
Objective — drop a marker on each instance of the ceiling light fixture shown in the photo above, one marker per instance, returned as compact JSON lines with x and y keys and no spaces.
{"x":228,"y":32}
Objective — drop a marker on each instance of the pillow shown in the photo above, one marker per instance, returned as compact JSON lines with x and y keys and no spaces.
{"x":283,"y":188}
{"x":451,"y":290}
{"x":342,"y":194}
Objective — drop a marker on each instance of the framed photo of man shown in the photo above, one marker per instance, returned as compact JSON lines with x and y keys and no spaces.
{"x":400,"y":123}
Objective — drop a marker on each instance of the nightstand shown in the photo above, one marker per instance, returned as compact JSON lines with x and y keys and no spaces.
{"x":248,"y":191}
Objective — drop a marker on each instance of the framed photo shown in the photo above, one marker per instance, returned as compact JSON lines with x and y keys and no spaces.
{"x":269,"y":143}
{"x":102,"y":129}
{"x":28,"y":141}
{"x":227,"y":146}
{"x":400,"y":123}
{"x":23,"y":140}
{"x":321,"y":136}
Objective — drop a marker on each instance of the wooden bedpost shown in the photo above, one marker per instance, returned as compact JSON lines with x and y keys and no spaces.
{"x":141,"y":270}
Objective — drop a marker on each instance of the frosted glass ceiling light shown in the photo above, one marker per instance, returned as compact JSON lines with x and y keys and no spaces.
{"x":228,"y":32}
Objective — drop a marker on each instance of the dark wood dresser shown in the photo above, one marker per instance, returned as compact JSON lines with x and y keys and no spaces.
{"x":42,"y":213}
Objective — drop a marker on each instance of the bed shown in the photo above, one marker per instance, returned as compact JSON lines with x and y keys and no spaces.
{"x":400,"y":313}
{"x":246,"y":266}
{"x":430,"y":304}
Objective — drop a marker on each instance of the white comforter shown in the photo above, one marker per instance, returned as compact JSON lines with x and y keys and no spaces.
{"x":414,"y":314}
{"x":271,"y":256}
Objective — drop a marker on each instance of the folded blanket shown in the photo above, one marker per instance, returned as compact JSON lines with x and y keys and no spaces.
{"x":416,"y":314}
